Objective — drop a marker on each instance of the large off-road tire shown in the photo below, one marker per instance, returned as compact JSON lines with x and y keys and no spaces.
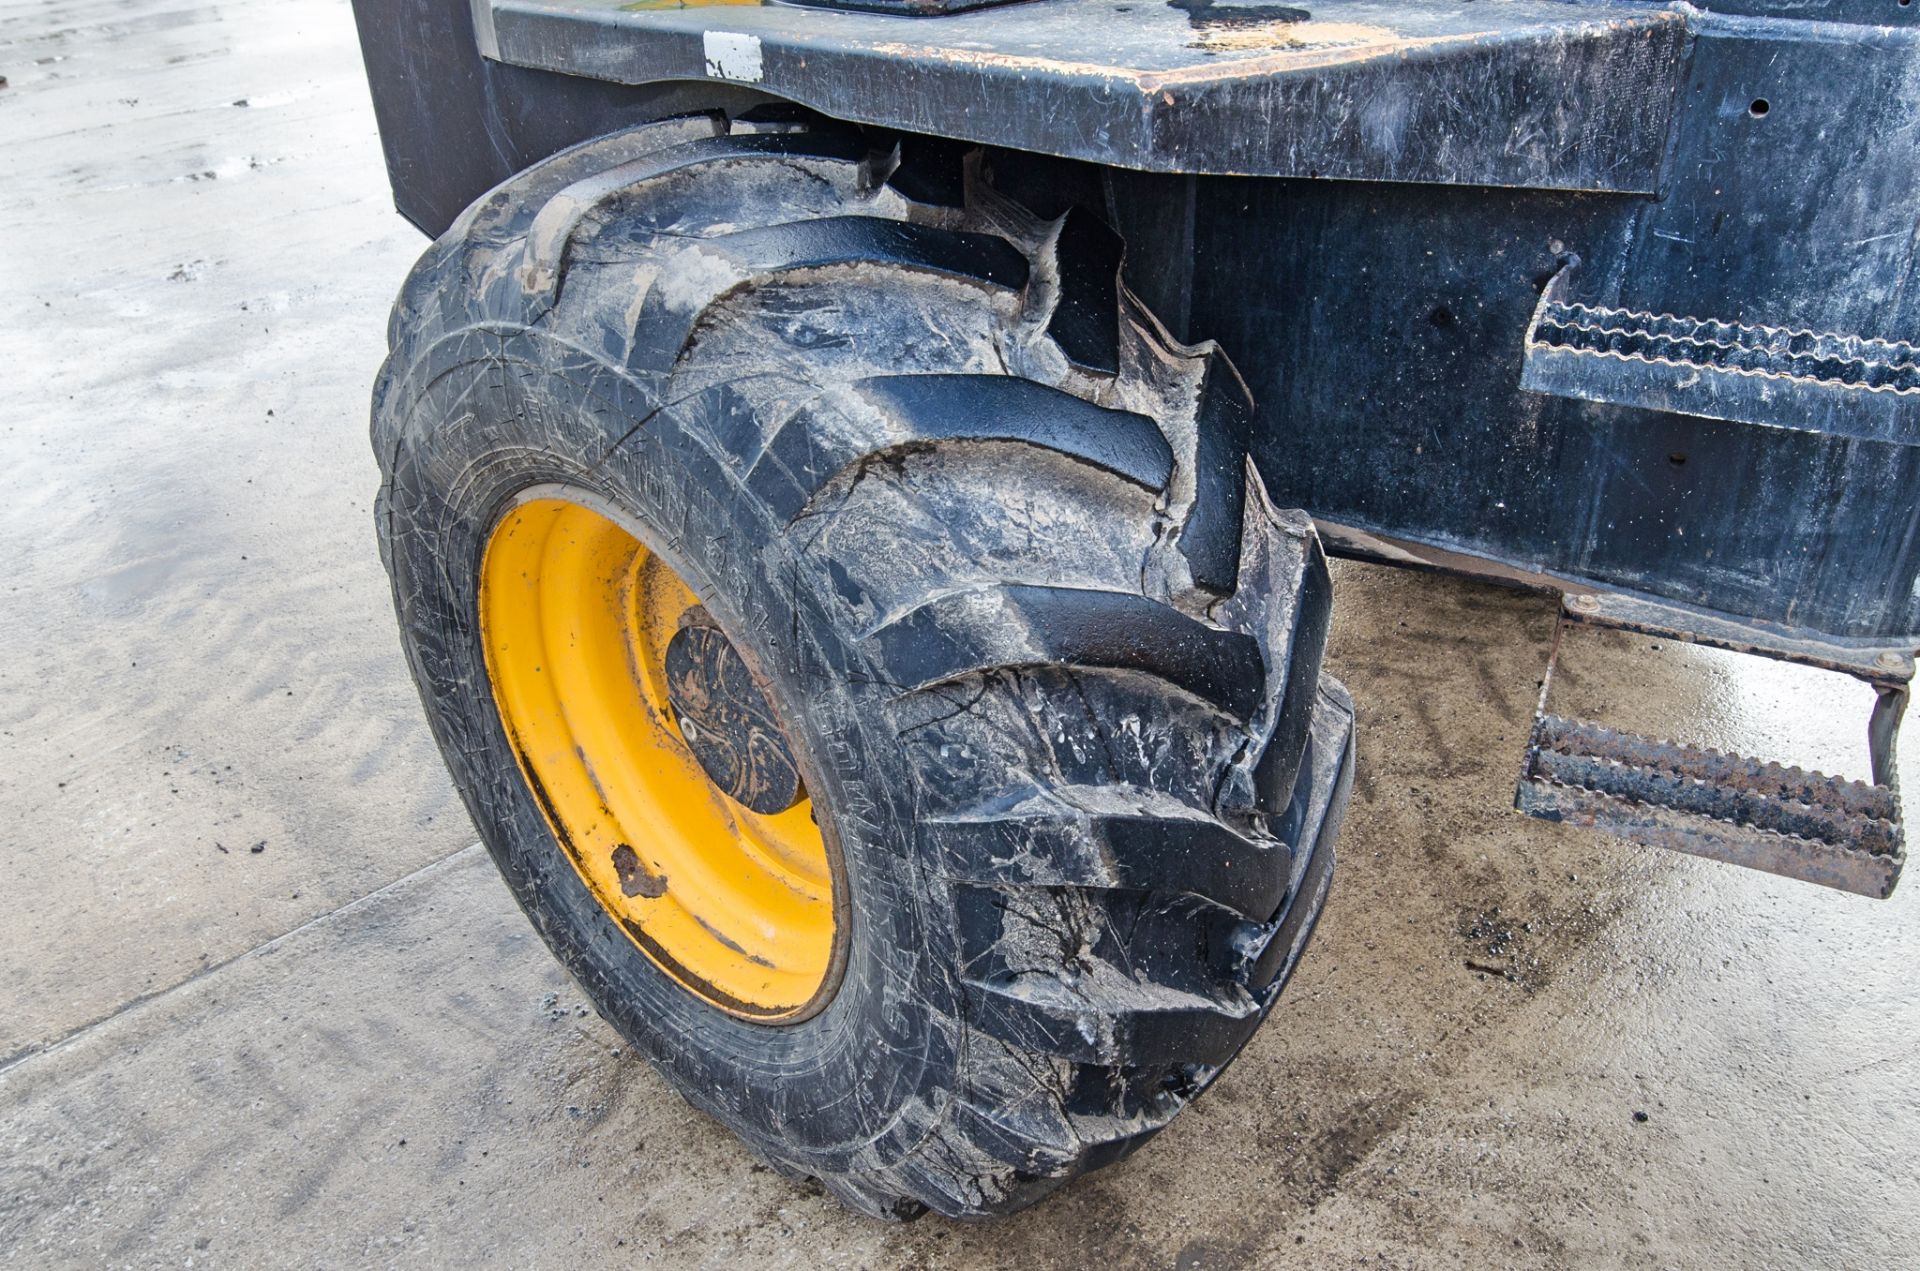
{"x":986,"y":542}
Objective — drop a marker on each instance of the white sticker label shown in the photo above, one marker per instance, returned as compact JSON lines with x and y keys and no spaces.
{"x":731,"y":55}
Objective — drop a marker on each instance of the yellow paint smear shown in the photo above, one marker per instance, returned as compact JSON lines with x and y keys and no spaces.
{"x":1233,"y":37}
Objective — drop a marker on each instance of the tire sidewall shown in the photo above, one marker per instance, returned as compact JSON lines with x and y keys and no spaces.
{"x":865,"y":1079}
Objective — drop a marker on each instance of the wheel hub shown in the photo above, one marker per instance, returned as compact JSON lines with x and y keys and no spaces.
{"x":726,"y":720}
{"x":662,"y":767}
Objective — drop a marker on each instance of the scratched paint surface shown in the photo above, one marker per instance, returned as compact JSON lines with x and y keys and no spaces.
{"x":1549,"y":96}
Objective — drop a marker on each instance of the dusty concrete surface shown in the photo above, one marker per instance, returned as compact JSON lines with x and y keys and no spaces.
{"x":347,"y":1048}
{"x":198,"y":657}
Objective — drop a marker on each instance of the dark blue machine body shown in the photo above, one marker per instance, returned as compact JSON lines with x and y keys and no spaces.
{"x":1608,"y":294}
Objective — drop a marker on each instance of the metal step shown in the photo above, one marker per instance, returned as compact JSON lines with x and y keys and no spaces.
{"x":1777,"y":377}
{"x":1767,"y":816}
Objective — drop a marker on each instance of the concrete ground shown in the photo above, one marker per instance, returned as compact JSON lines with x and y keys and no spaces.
{"x":262,"y":1004}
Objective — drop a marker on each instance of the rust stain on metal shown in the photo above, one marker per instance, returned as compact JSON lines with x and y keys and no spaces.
{"x":635,"y":878}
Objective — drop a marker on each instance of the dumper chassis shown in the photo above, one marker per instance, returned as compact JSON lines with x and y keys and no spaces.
{"x":837,"y":470}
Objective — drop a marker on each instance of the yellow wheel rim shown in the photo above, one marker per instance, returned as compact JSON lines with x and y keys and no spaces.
{"x":576,"y":615}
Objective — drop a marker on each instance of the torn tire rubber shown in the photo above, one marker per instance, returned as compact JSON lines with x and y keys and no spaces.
{"x":987,"y":537}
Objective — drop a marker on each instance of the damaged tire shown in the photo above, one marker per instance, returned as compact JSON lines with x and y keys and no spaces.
{"x":862,"y":643}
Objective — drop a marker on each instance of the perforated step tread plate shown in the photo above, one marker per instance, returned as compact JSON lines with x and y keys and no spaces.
{"x":1744,"y":811}
{"x":1774,"y":377}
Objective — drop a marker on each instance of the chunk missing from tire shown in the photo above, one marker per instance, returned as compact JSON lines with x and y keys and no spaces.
{"x":989,"y":538}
